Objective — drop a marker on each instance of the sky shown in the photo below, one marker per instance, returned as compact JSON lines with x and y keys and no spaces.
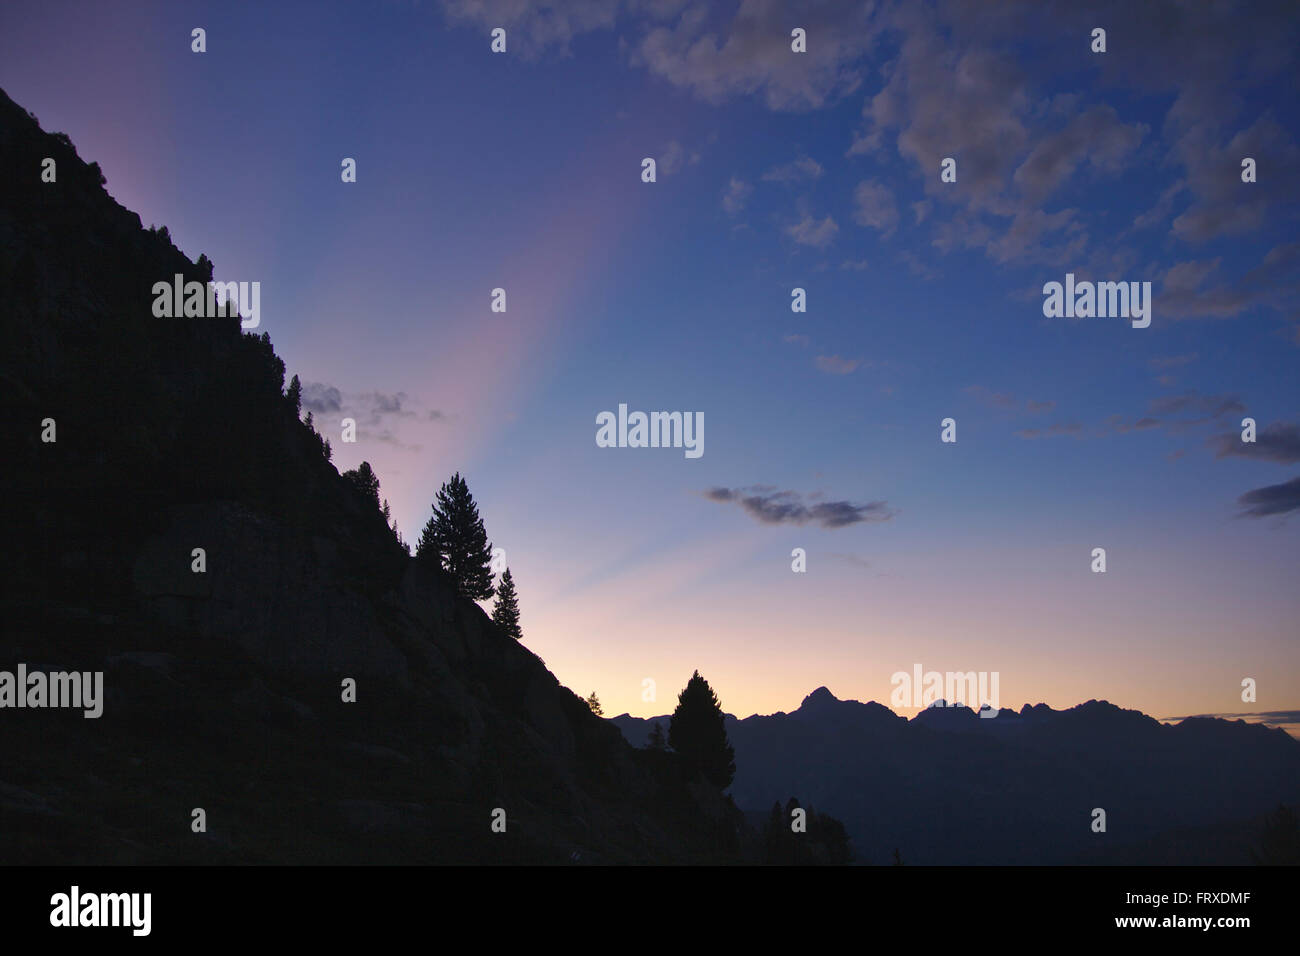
{"x":775,"y":170}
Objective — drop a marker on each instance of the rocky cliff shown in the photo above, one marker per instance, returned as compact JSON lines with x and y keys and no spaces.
{"x":223,"y":688}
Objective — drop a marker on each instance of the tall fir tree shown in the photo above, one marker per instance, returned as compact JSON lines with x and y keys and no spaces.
{"x":594,"y":703}
{"x":506,"y":611}
{"x":456,"y":540}
{"x":699,"y":734}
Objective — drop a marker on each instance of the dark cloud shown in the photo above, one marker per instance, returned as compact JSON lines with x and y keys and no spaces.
{"x":768,"y":506}
{"x":1271,"y":500}
{"x":1204,"y":407}
{"x":321,"y":399}
{"x":370,"y":409}
{"x":1278,"y":442}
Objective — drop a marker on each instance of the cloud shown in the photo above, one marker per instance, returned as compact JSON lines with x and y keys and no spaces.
{"x":320,"y":399}
{"x":809,"y":232}
{"x":753,"y":55}
{"x":834,"y":365}
{"x":1007,"y":401}
{"x":803,"y":168}
{"x":1052,"y":431}
{"x":768,"y":506}
{"x":1096,"y":137}
{"x":853,"y":559}
{"x":532,"y":29}
{"x":369,"y":409}
{"x":1204,"y":407}
{"x":873,"y":205}
{"x":675,"y":157}
{"x":801,"y":340}
{"x":1116,"y":423}
{"x":1271,"y":500}
{"x":737,"y":194}
{"x":1279,"y":442}
{"x":854,"y":265}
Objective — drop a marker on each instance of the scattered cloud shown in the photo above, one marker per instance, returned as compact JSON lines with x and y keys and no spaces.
{"x":321,"y":399}
{"x":1053,"y":431}
{"x":1203,"y":408}
{"x":809,"y":232}
{"x":853,"y":559}
{"x":873,"y":206}
{"x":675,"y":157}
{"x":750,"y":54}
{"x":737,"y":194}
{"x":803,"y":168}
{"x":834,"y":365}
{"x":1007,"y":401}
{"x":1271,"y":500}
{"x":768,"y":506}
{"x":1279,"y":442}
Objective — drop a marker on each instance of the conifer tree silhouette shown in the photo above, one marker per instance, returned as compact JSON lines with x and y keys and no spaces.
{"x":365,"y":481}
{"x":506,"y":611}
{"x":454,"y":538}
{"x":594,"y":703}
{"x":699,"y":735}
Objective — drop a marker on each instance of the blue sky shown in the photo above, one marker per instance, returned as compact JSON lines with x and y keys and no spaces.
{"x":776,"y":170}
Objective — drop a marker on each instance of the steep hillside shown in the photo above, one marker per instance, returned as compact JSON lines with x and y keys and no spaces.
{"x":223,"y":688}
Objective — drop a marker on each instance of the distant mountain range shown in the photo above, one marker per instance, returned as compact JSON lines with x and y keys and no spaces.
{"x":948,"y":787}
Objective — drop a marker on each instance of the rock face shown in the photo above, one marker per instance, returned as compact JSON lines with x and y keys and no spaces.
{"x":223,"y":688}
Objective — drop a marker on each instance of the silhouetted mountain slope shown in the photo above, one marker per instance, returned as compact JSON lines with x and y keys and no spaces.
{"x":223,"y":689}
{"x":951,"y":787}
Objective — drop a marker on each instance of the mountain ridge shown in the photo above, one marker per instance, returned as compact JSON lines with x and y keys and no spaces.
{"x":949,"y":787}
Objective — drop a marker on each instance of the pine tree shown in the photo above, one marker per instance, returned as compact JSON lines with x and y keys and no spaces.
{"x":506,"y":611}
{"x":365,"y":481}
{"x":454,"y":537}
{"x":657,"y":740}
{"x":699,"y":734}
{"x":594,"y":703}
{"x":295,"y":395}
